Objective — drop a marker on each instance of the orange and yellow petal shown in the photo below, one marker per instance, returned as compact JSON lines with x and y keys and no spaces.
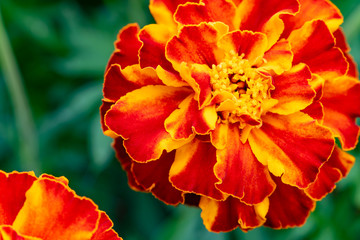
{"x":207,"y":11}
{"x":224,"y":216}
{"x":341,"y":100}
{"x":104,"y":229}
{"x":127,"y":46}
{"x":278,"y":58}
{"x":8,"y":233}
{"x":139,"y":119}
{"x":264,"y":16}
{"x":13,"y":188}
{"x":193,"y":163}
{"x":289,"y":206}
{"x":292,"y":90}
{"x":314,"y":9}
{"x":316,"y":48}
{"x":195,"y":44}
{"x":63,"y":214}
{"x":241,"y":174}
{"x":154,"y":177}
{"x":333,"y":170}
{"x":292,"y":146}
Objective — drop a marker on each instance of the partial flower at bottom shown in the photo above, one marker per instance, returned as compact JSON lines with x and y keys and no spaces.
{"x":234,"y":107}
{"x":45,"y":208}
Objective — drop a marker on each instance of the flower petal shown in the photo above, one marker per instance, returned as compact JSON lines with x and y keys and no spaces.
{"x":241,"y":174}
{"x":289,"y":206}
{"x":333,"y":170}
{"x":278,"y":58}
{"x":341,"y":100}
{"x":293,"y":146}
{"x":195,"y":44}
{"x":183,"y":122}
{"x":192,"y":170}
{"x":314,"y":9}
{"x":139,"y":118}
{"x":207,"y":11}
{"x":154,"y":177}
{"x":127,"y":46}
{"x":292,"y":90}
{"x":104,"y":230}
{"x":8,"y":233}
{"x":119,"y":81}
{"x":317,"y":49}
{"x":13,"y":188}
{"x":152,"y":53}
{"x":224,"y":216}
{"x":264,"y":16}
{"x":66,"y":215}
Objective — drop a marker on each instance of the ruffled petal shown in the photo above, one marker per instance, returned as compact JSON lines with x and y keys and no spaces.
{"x":195,"y":44}
{"x":13,"y":188}
{"x":264,"y":16}
{"x":289,"y":206}
{"x":292,"y":90}
{"x":119,"y":81}
{"x":341,"y":100}
{"x":224,"y":216}
{"x":278,"y":58}
{"x":152,"y":53}
{"x":154,"y":177}
{"x":292,"y":146}
{"x":104,"y":230}
{"x":252,"y":45}
{"x":192,"y":170}
{"x":127,"y":46}
{"x":188,"y":119}
{"x":63,"y":214}
{"x":207,"y":11}
{"x":241,"y":174}
{"x":333,"y":170}
{"x":8,"y":233}
{"x":317,"y":49}
{"x":139,"y":118}
{"x":313,"y":9}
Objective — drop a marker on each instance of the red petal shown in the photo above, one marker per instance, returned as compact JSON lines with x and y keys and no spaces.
{"x":293,"y":146}
{"x":104,"y":230}
{"x":53,"y":211}
{"x":119,"y":81}
{"x":289,"y":206}
{"x":337,"y":167}
{"x":194,"y":44}
{"x":154,"y":177}
{"x":8,"y":233}
{"x":341,"y":102}
{"x":316,"y":49}
{"x":139,"y":118}
{"x":292,"y":90}
{"x":207,"y":11}
{"x":313,"y":9}
{"x":127,"y":46}
{"x":192,"y":170}
{"x":182,"y":123}
{"x":152,"y":53}
{"x":241,"y":174}
{"x":224,"y":216}
{"x":13,"y":188}
{"x":263,"y":16}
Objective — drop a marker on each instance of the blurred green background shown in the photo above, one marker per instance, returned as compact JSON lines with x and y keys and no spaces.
{"x":59,"y":50}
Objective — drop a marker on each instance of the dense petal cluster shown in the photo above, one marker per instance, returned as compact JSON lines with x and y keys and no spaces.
{"x":45,"y":208}
{"x":234,"y":106}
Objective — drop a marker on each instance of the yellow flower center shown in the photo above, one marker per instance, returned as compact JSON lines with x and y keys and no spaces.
{"x":241,"y":88}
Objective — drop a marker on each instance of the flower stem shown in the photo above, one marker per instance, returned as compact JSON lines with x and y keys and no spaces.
{"x":27,"y":137}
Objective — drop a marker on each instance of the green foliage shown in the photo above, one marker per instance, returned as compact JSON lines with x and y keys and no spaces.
{"x":61,"y":48}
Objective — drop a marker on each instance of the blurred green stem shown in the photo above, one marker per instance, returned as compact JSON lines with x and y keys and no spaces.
{"x":27,"y":137}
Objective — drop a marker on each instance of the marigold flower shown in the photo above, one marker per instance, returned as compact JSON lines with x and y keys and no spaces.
{"x":234,"y":107}
{"x":43,"y":208}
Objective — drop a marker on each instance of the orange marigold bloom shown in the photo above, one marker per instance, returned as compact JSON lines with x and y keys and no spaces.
{"x":43,"y":208}
{"x":246,"y":97}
